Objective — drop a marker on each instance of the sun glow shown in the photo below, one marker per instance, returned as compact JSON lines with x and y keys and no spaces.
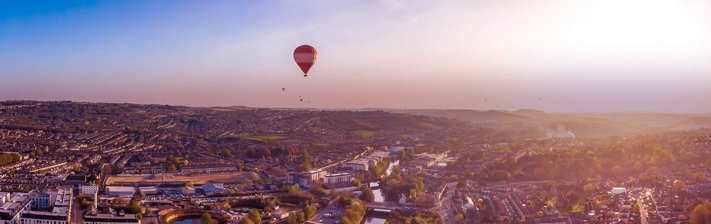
{"x":637,"y":26}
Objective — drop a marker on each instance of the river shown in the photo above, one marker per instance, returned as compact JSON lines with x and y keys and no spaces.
{"x":379,"y":197}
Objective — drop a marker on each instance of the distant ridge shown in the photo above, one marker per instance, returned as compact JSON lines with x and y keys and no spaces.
{"x":531,"y":123}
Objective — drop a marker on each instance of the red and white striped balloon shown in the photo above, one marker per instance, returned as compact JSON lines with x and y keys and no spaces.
{"x":305,"y":56}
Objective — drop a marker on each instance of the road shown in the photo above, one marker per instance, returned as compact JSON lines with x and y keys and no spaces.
{"x":444,"y":208}
{"x":319,"y":217}
{"x":76,"y":213}
{"x":642,"y":211}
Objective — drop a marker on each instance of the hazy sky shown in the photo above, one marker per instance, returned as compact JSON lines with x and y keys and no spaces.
{"x":601,"y":55}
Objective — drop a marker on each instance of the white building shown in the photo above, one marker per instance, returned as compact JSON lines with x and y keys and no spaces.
{"x":89,"y":189}
{"x":121,"y":191}
{"x":11,"y":210}
{"x":51,"y":207}
{"x":93,"y":218}
{"x":211,"y":188}
{"x":357,"y":165}
{"x":618,"y":190}
{"x":306,"y":178}
{"x":379,"y":155}
{"x":335,"y":178}
{"x":149,"y":190}
{"x":4,"y":197}
{"x":187,"y":190}
{"x":58,"y":215}
{"x":92,"y":190}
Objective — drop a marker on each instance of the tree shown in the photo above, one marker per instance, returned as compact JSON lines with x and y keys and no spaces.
{"x":459,"y":218}
{"x":461,"y":184}
{"x":354,"y":212}
{"x":118,"y":201}
{"x":700,"y":176}
{"x":425,"y":200}
{"x":206,"y":218}
{"x":306,"y":161}
{"x":636,"y":208}
{"x":552,"y":202}
{"x":588,"y":188}
{"x":317,"y":190}
{"x":240,"y":166}
{"x":356,"y":182}
{"x":701,"y":214}
{"x":279,"y":172}
{"x":309,"y":211}
{"x":246,"y":220}
{"x":135,"y":207}
{"x":254,"y":216}
{"x":368,"y":195}
{"x":679,"y":185}
{"x":333,"y":193}
{"x":301,"y":218}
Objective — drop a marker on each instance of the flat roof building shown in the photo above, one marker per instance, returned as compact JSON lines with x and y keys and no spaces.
{"x":12,"y":208}
{"x":101,"y":218}
{"x":121,"y":191}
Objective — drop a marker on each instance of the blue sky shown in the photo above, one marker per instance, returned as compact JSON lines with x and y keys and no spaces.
{"x":576,"y":55}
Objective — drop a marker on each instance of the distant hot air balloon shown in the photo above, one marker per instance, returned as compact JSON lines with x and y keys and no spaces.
{"x":283,"y":89}
{"x":305,"y":56}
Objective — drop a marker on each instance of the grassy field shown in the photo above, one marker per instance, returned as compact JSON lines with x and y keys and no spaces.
{"x":264,"y":137}
{"x":366,"y":123}
{"x":428,"y":125}
{"x":364,"y":133}
{"x":222,"y":109}
{"x":234,"y":177}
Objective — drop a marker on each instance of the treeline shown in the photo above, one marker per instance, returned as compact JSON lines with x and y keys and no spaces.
{"x":610,"y":157}
{"x":396,"y":185}
{"x":701,"y":214}
{"x":7,"y":158}
{"x":406,"y":217}
{"x":354,"y":210}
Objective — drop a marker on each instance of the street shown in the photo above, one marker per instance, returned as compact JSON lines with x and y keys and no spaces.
{"x":444,"y":208}
{"x":76,"y":213}
{"x":642,"y":211}
{"x":320,"y":214}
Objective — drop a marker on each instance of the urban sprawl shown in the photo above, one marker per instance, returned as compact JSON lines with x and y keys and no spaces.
{"x":67,"y":162}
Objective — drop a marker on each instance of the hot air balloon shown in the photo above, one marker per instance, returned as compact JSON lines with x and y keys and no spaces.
{"x":283,"y":89}
{"x":305,"y":56}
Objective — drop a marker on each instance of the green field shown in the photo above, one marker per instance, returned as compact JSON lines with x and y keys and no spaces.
{"x":264,"y":137}
{"x":366,"y":123}
{"x":428,"y":125}
{"x":222,"y":109}
{"x":364,"y":133}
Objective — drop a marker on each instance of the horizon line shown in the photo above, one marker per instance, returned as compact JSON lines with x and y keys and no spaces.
{"x":369,"y":108}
